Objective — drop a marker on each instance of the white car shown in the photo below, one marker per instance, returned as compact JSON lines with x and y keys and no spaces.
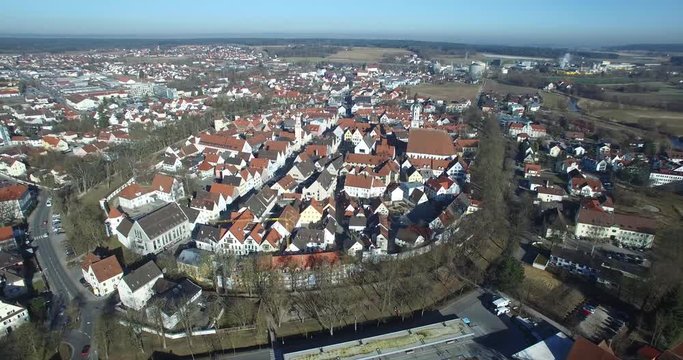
{"x":48,"y":203}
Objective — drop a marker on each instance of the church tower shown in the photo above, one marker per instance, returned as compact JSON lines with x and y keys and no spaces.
{"x":298,"y":134}
{"x":416,"y":115}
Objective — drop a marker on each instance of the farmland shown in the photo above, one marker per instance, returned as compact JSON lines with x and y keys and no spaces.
{"x":354,"y":55}
{"x":500,"y":88}
{"x":450,"y":91}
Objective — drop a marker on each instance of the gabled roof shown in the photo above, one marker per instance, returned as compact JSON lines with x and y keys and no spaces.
{"x":106,"y":268}
{"x":142,"y":276}
{"x":430,"y":141}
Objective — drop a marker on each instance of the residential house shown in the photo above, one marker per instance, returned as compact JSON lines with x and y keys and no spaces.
{"x":363,"y":186}
{"x":15,"y":202}
{"x":585,"y":186}
{"x":171,"y":299}
{"x":7,"y":240}
{"x":311,"y":213}
{"x":102,"y":274}
{"x":626,"y":230}
{"x":12,"y":167}
{"x":136,"y":288}
{"x":322,"y":187}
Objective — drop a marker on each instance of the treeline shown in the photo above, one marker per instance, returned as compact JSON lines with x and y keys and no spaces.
{"x":302,"y":51}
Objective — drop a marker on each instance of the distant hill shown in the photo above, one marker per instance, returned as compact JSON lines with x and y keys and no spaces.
{"x":649,"y":47}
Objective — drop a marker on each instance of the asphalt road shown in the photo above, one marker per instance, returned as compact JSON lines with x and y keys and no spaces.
{"x":63,"y":282}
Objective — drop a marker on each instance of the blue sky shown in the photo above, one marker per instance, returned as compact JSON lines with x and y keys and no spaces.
{"x":520,"y":22}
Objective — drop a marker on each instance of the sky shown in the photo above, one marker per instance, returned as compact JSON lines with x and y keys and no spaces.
{"x":520,"y":22}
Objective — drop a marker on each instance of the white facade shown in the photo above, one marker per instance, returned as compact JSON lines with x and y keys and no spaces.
{"x":659,"y":179}
{"x":11,"y":317}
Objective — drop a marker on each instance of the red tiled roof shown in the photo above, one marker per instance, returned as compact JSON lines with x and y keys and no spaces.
{"x":430,"y":141}
{"x":12,"y":192}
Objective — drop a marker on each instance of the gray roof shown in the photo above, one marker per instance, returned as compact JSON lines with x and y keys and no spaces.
{"x":232,"y":180}
{"x":125,"y":226}
{"x":142,"y":276}
{"x":162,"y":219}
{"x":303,"y":236}
{"x":325,"y":179}
{"x":206,"y":233}
{"x":358,"y":221}
{"x":176,"y":296}
{"x":259,"y":202}
{"x":306,"y":168}
{"x":190,"y":256}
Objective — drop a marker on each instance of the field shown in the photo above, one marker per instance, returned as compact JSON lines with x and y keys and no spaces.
{"x":554,"y":101}
{"x":642,"y":117}
{"x":545,"y":291}
{"x":354,"y":55}
{"x":450,"y":91}
{"x":494,"y":86}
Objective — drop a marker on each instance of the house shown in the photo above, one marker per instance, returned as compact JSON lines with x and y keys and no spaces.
{"x":430,"y":144}
{"x":307,"y":240}
{"x":550,"y":193}
{"x":358,"y":223}
{"x":7,"y":238}
{"x":157,"y":230}
{"x":54,"y":143}
{"x":102,"y":274}
{"x":286,"y":184}
{"x":12,"y":167}
{"x":585,"y":186}
{"x":11,"y":317}
{"x":363,"y":186}
{"x":411,"y":237}
{"x":322,"y":187}
{"x":442,"y":186}
{"x":365,"y":146}
{"x":163,"y":188}
{"x":312,"y":213}
{"x":136,"y":288}
{"x":171,"y":299}
{"x":194,"y":262}
{"x":301,"y":171}
{"x":15,"y":202}
{"x":532,"y":170}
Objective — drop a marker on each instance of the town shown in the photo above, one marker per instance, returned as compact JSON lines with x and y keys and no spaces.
{"x":198,"y":198}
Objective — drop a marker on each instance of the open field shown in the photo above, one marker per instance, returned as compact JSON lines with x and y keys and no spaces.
{"x":554,"y":101}
{"x":651,"y":203}
{"x":354,"y":55}
{"x":460,"y":59}
{"x":635,"y":116}
{"x":366,"y":54}
{"x":450,"y":91}
{"x":492,"y":85}
{"x":543,"y":290}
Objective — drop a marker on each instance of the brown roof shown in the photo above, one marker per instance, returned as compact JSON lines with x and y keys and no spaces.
{"x":624,"y":221}
{"x":163,"y":183}
{"x":586,"y":350}
{"x":223,"y":189}
{"x":6,"y":233}
{"x":132,"y":191}
{"x":430,"y":141}
{"x":106,"y":268}
{"x":12,"y":192}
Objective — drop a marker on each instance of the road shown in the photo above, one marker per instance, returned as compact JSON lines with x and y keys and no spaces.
{"x":63,"y":281}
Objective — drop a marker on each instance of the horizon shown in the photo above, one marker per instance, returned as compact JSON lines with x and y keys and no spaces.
{"x":533,"y":23}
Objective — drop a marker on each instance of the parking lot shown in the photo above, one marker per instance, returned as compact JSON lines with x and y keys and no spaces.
{"x":599,"y":322}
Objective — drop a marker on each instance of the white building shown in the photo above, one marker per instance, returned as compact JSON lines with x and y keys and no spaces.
{"x":136,"y":288}
{"x":157,"y":230}
{"x":626,"y":230}
{"x":102,"y":274}
{"x":11,"y":317}
{"x":659,"y":178}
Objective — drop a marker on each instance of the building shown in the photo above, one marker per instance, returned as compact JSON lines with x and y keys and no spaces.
{"x":663,"y":177}
{"x":171,"y":299}
{"x":136,"y":288}
{"x":430,"y":144}
{"x":7,"y":238}
{"x":363,"y":186}
{"x":11,"y":317}
{"x":416,"y":115}
{"x":157,"y":230}
{"x":626,"y":230}
{"x":534,"y":131}
{"x":102,"y":274}
{"x":15,"y":202}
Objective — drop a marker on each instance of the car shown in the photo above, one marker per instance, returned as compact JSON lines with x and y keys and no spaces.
{"x":48,"y":203}
{"x":85,"y":351}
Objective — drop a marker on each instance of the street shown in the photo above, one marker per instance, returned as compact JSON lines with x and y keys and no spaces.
{"x":63,"y":281}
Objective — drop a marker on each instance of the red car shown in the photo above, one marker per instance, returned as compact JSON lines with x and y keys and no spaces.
{"x":85,"y":351}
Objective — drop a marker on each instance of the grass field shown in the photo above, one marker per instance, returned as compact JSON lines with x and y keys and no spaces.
{"x":492,"y":85}
{"x":652,"y":118}
{"x":354,"y":55}
{"x":450,"y":91}
{"x":554,"y":101}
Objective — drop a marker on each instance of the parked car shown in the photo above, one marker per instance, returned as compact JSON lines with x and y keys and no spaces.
{"x":85,"y":351}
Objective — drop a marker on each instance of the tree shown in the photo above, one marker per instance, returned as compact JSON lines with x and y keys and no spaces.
{"x":508,"y":274}
{"x":29,"y":342}
{"x":105,"y":329}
